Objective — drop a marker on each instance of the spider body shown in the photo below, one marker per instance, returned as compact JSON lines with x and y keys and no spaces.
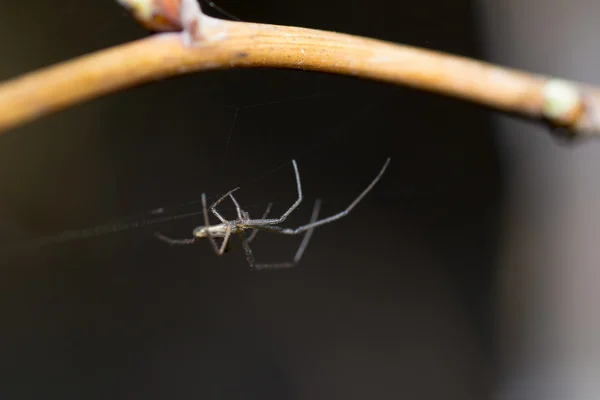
{"x":218,"y":231}
{"x":244,"y":223}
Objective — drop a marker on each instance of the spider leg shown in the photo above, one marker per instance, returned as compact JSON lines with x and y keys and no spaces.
{"x":214,"y":205}
{"x":211,"y":239}
{"x":301,"y":248}
{"x":225,"y":241}
{"x":279,"y":220}
{"x":240,"y":213}
{"x":312,"y":225}
{"x":245,"y":215}
{"x":173,"y":241}
{"x":247,"y":250}
{"x":255,"y":231}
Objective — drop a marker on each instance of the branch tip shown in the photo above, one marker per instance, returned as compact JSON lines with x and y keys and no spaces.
{"x":206,"y":43}
{"x":562,"y":102}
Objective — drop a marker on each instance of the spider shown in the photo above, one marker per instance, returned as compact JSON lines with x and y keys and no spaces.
{"x":243,"y":223}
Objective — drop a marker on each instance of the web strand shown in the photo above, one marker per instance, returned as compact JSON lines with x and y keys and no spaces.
{"x":221,"y":10}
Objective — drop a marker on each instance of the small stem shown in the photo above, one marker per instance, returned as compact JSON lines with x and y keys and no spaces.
{"x":229,"y":44}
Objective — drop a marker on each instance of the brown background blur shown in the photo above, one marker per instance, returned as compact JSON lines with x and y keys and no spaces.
{"x":394,"y":301}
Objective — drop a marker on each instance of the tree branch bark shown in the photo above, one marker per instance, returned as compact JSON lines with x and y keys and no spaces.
{"x":228,"y":44}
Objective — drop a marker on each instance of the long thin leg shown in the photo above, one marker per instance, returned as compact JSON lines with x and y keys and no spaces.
{"x":255,"y":231}
{"x":214,"y":205}
{"x":279,"y":220}
{"x":211,"y":239}
{"x":225,"y":240}
{"x":238,"y":209}
{"x":247,"y":250}
{"x":245,"y":215}
{"x":308,"y":234}
{"x":312,"y":225}
{"x":173,"y":241}
{"x":301,"y":248}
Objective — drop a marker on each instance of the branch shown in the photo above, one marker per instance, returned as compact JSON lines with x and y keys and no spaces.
{"x":207,"y":43}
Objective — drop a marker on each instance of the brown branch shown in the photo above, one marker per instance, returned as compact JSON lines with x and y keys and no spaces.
{"x":229,"y":44}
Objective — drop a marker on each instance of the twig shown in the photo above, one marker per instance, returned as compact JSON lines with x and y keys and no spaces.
{"x":209,"y":44}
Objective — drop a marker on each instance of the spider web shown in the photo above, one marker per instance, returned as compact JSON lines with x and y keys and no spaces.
{"x":168,"y":213}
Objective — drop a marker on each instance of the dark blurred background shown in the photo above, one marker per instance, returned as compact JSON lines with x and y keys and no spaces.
{"x":394,"y":301}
